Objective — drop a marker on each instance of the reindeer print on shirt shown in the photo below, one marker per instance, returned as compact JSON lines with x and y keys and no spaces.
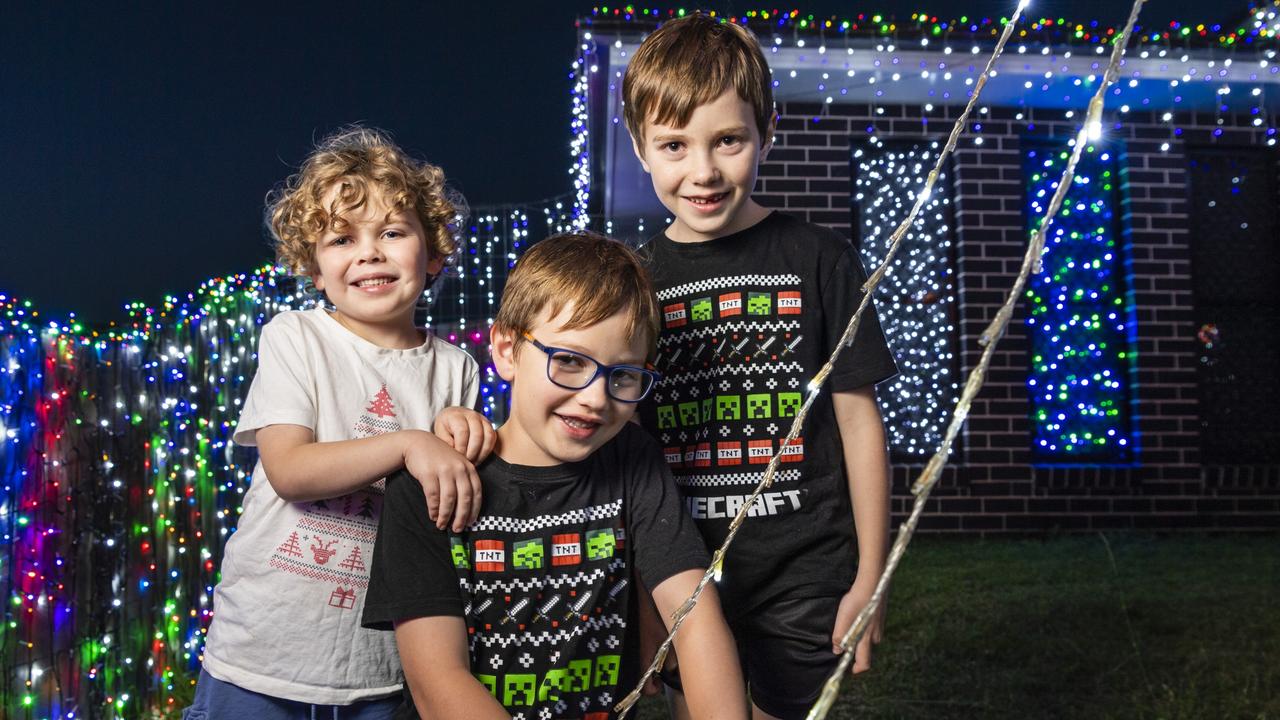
{"x":333,"y":537}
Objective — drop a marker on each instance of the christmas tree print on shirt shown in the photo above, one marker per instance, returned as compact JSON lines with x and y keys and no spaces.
{"x":334,"y":536}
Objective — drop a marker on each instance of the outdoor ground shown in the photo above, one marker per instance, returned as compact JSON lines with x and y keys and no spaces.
{"x":1090,"y":626}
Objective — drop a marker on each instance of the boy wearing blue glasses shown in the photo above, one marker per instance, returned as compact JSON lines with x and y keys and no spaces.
{"x":529,"y":612}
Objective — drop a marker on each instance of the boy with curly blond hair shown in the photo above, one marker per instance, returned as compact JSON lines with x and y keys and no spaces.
{"x":343,"y":396}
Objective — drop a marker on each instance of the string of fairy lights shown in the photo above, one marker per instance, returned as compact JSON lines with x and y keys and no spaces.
{"x":119,"y":480}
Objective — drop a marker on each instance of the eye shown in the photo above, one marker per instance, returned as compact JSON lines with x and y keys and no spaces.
{"x":392,"y":234}
{"x":625,"y":378}
{"x":568,"y":361}
{"x":672,"y":147}
{"x":730,"y":140}
{"x":340,"y":240}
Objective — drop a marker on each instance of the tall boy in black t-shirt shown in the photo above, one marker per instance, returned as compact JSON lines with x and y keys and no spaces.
{"x":753,"y":303}
{"x":527,"y":613}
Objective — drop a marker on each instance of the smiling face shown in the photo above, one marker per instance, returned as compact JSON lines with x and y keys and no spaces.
{"x":548,"y":424}
{"x":373,"y":268}
{"x":705,"y":171}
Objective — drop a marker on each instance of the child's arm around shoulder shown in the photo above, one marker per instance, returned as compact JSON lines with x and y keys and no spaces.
{"x":433,"y":652}
{"x":301,"y":469}
{"x":867,"y":470}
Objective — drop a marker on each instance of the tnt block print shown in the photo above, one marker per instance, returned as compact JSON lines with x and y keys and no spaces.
{"x":759,"y":406}
{"x":700,"y":309}
{"x":788,"y":404}
{"x":600,"y":544}
{"x":689,"y":413}
{"x":702,"y":455}
{"x":789,"y":302}
{"x":730,"y":304}
{"x":759,"y":451}
{"x":673,"y":455}
{"x":528,"y":555}
{"x":566,"y":549}
{"x":793,"y":452}
{"x":491,"y":556}
{"x":666,"y":417}
{"x":459,"y":551}
{"x":674,"y":315}
{"x":759,"y":303}
{"x":689,"y":452}
{"x":729,"y":453}
{"x":728,"y":407}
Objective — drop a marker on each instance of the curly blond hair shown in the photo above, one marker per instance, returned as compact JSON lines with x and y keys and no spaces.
{"x":360,"y":160}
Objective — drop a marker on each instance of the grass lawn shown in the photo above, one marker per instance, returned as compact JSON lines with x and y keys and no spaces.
{"x":1084,"y":626}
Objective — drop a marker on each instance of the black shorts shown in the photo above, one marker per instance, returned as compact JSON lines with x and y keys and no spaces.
{"x":785,"y":650}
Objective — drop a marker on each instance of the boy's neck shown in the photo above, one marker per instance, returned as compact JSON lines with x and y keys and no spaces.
{"x":398,"y":336}
{"x":512,"y":445}
{"x":748,"y":216}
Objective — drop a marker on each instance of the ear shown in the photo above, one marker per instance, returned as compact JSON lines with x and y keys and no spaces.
{"x":435,"y":265}
{"x":635,"y":147}
{"x":318,"y":280}
{"x":502,"y":349}
{"x":767,"y":141}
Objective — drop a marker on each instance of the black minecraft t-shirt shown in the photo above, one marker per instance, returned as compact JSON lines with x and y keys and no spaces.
{"x":543,"y":579}
{"x":748,"y":320}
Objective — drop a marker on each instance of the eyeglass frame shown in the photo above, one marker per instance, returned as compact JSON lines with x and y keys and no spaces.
{"x":601,"y":369}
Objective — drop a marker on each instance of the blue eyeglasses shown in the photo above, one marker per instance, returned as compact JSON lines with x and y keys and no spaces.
{"x":572,"y":370}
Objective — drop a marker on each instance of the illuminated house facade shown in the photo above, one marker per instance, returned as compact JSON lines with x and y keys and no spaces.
{"x":1134,"y":388}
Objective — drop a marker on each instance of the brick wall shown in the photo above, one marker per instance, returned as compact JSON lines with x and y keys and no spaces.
{"x":991,"y":485}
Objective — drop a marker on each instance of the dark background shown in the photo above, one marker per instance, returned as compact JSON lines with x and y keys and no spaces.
{"x":140,"y":141}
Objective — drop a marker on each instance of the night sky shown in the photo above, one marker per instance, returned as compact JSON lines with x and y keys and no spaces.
{"x":139,"y":142}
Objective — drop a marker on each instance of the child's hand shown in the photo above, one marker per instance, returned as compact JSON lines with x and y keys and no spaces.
{"x":448,"y":480}
{"x":466,"y":431}
{"x":850,"y":605}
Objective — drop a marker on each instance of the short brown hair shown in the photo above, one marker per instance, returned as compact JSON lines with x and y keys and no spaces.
{"x":361,"y":160}
{"x":600,"y":276}
{"x":691,"y":61}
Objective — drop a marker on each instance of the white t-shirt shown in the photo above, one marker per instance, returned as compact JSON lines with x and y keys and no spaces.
{"x":294,"y":575}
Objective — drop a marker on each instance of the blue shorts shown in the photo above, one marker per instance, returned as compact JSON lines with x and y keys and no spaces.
{"x":218,"y":700}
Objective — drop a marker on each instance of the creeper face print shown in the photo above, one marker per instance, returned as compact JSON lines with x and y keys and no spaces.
{"x":519,"y":689}
{"x":579,"y":676}
{"x":552,"y":684}
{"x":759,"y":406}
{"x":758,"y":303}
{"x":701,"y":309}
{"x":607,"y":670}
{"x":666,"y":417}
{"x":528,"y":555}
{"x":600,"y":544}
{"x":728,"y":407}
{"x":707,"y":405}
{"x":788,"y":404}
{"x":490,"y":683}
{"x":459,"y":551}
{"x":689,"y":413}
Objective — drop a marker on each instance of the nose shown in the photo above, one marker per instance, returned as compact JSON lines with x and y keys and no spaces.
{"x":594,"y":395}
{"x":705,"y":171}
{"x":370,"y":250}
